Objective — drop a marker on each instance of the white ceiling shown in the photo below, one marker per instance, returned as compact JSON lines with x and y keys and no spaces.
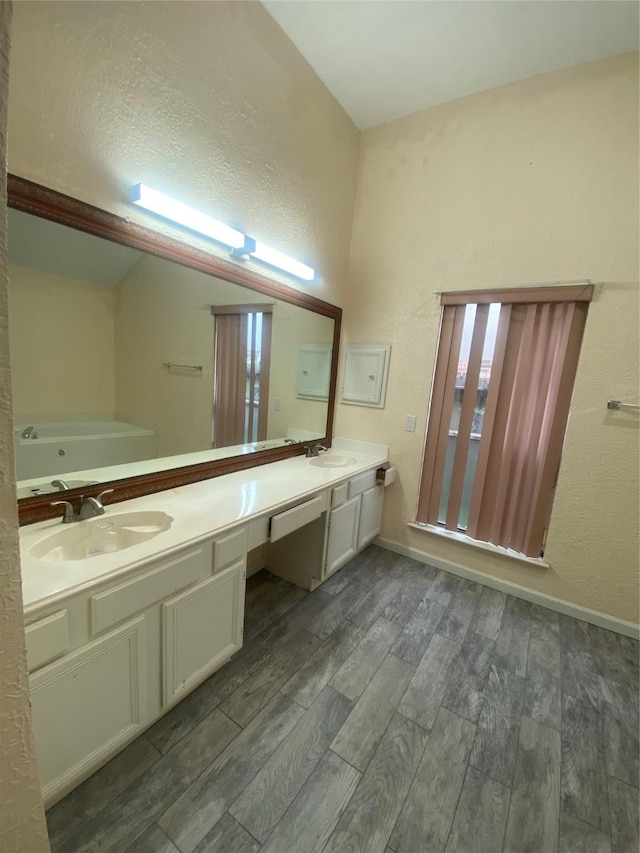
{"x":383,"y":59}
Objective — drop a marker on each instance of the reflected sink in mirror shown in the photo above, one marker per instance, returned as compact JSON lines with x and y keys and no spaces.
{"x":45,"y":487}
{"x":104,"y":535}
{"x":331,"y":460}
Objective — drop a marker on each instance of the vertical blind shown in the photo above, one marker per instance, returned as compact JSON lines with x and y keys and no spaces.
{"x":242,"y":364}
{"x":504,"y":375}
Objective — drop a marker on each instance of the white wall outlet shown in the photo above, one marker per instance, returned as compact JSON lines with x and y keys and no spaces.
{"x":410,"y":423}
{"x":276,"y":405}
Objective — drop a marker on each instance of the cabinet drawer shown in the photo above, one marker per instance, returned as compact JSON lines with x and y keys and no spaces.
{"x":291,"y":519}
{"x":47,"y":639}
{"x":119,"y":602}
{"x":361,"y":483}
{"x":258,"y":532}
{"x":339,"y":495}
{"x":229,"y":548}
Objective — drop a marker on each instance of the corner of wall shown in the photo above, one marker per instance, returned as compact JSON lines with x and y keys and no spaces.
{"x":22,"y":824}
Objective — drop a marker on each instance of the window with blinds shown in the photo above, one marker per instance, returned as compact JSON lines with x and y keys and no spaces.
{"x":502,"y":385}
{"x":241,"y":373}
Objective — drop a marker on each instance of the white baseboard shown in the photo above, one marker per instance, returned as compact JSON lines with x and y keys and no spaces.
{"x":611,"y":623}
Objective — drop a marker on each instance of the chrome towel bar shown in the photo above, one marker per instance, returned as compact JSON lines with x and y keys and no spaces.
{"x":618,"y":404}
{"x":171,"y":364}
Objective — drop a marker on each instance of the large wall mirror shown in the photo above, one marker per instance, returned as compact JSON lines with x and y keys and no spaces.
{"x":140,"y":363}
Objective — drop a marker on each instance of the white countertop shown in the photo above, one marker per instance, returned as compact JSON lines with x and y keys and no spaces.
{"x":199,"y":511}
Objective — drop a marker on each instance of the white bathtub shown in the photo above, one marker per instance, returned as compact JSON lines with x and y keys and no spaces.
{"x":79,"y":445}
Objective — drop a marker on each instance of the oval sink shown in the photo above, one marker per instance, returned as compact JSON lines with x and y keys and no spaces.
{"x":331,"y":460}
{"x":103,"y":535}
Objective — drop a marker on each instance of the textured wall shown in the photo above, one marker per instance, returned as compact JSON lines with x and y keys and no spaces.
{"x":22,"y":827}
{"x":536,"y":181}
{"x":209,"y":102}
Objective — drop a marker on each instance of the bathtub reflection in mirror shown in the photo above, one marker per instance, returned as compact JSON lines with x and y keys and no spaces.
{"x":124,"y":363}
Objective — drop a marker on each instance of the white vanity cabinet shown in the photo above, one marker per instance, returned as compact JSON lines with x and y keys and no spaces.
{"x":88,"y":704}
{"x":108,"y":662}
{"x":354,"y":519}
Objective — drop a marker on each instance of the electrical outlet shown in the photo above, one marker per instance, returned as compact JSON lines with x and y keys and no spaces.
{"x":410,"y":423}
{"x":276,"y":405}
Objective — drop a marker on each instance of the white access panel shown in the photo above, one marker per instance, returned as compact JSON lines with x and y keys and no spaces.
{"x":366,"y":368}
{"x":314,"y":371}
{"x":87,"y":704}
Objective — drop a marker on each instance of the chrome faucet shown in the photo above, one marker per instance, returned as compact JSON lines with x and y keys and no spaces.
{"x":315,"y":450}
{"x":290,"y":441}
{"x":60,"y":485}
{"x":89,"y":508}
{"x":29,"y":432}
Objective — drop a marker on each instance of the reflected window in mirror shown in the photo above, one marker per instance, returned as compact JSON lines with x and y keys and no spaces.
{"x":241,"y":383}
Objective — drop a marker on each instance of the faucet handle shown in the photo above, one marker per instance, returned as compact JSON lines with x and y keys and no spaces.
{"x":105,"y":492}
{"x":69,"y":511}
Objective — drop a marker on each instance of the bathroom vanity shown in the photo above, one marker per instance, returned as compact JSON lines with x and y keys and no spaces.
{"x":125,"y":618}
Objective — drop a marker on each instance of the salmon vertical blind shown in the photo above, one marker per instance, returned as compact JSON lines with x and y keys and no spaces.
{"x":241,"y":371}
{"x":502,"y":385}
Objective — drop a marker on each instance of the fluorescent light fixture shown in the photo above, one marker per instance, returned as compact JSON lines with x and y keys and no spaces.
{"x":277,"y":259}
{"x":169,"y":208}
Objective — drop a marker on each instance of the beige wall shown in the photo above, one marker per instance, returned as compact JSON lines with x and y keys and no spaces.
{"x":51,"y":313}
{"x":22,"y":826}
{"x":209,"y":102}
{"x":533,"y":182}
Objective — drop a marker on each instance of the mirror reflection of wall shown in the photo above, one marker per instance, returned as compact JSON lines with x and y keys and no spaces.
{"x":93,"y":326}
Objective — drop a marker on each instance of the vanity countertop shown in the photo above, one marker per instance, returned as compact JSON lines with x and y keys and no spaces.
{"x":199,"y":511}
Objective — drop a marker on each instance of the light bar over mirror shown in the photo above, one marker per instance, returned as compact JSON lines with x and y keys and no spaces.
{"x":241,"y":244}
{"x":175,"y":211}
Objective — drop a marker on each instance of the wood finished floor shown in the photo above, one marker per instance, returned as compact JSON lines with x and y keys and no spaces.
{"x":396,"y":709}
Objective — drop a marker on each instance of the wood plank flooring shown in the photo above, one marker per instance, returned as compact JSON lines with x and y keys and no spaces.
{"x":396,"y":709}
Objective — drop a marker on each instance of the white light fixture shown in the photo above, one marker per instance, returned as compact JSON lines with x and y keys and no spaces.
{"x":277,"y":259}
{"x":262,"y":252}
{"x":169,"y":208}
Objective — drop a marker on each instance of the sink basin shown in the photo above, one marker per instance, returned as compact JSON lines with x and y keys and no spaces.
{"x":331,"y":460}
{"x":102,"y":535}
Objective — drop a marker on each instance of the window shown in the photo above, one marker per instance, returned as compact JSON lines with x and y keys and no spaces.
{"x":241,"y":375}
{"x":504,"y":374}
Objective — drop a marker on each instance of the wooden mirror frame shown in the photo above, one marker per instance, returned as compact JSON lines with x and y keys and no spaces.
{"x":40,"y":201}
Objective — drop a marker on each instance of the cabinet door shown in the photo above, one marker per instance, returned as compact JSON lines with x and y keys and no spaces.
{"x":88,"y":704}
{"x":201,"y":629}
{"x":370,"y":515}
{"x":343,"y":534}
